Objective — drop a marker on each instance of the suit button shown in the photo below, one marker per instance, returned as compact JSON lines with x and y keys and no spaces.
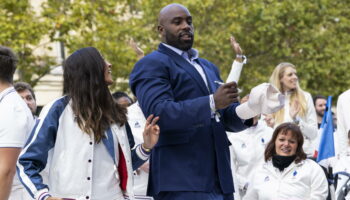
{"x":90,"y":143}
{"x":87,"y":197}
{"x":88,"y":178}
{"x":89,"y":160}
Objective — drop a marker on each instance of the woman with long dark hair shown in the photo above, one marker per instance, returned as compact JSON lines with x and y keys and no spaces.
{"x":81,"y":138}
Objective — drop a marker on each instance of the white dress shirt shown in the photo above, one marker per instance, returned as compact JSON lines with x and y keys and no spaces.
{"x":191,"y":59}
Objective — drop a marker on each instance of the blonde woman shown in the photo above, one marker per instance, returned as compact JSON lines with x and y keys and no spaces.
{"x":298,"y":107}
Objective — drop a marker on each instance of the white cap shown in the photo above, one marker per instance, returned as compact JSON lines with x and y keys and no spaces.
{"x":263,"y":99}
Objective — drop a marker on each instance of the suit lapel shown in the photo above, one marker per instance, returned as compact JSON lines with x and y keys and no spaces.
{"x":181,"y":62}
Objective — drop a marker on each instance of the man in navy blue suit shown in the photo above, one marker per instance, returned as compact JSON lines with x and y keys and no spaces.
{"x":191,"y":159}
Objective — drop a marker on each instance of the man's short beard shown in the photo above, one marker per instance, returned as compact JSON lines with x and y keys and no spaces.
{"x":319,"y":114}
{"x":184,"y":46}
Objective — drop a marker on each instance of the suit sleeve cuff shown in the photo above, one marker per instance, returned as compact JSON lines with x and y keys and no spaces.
{"x":248,"y":122}
{"x":212,"y":103}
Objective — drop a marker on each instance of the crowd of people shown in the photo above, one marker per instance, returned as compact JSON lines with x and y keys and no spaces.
{"x":187,"y":135}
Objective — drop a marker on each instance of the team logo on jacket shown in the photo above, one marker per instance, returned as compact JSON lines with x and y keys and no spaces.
{"x":137,"y":125}
{"x":295,"y":173}
{"x":262,"y":141}
{"x":267,"y":178}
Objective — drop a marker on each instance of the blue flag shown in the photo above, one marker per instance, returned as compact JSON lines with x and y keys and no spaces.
{"x":326,"y":148}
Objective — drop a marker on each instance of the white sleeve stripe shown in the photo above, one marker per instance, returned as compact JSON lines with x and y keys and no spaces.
{"x":23,"y":176}
{"x":37,"y":129}
{"x":26,"y":181}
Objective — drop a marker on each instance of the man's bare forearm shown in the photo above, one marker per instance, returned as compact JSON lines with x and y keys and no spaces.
{"x":8,"y":159}
{"x":5,"y":184}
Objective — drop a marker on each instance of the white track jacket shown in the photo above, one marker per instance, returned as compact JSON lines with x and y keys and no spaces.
{"x":303,"y":181}
{"x":58,"y":143}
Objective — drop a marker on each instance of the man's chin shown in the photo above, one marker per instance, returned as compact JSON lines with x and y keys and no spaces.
{"x":186,"y":45}
{"x":181,"y":44}
{"x":320,"y":114}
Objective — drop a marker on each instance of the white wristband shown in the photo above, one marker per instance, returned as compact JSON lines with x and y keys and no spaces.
{"x":243,"y":57}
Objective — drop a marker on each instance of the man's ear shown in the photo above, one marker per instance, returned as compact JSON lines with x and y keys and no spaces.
{"x":160,"y":29}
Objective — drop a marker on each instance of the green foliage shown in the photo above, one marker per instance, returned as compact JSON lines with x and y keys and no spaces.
{"x":313,"y":35}
{"x":104,"y":24}
{"x":21,"y":30}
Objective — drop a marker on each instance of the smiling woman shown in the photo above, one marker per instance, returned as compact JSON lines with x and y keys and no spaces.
{"x":286,"y":173}
{"x":287,"y":141}
{"x":286,"y":144}
{"x":108,"y":73}
{"x":85,"y":130}
{"x":298,"y":108}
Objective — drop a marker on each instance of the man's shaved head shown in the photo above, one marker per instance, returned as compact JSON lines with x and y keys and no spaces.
{"x":175,"y":26}
{"x":169,"y":8}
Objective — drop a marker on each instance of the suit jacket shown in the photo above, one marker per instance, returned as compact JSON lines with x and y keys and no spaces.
{"x":192,"y":153}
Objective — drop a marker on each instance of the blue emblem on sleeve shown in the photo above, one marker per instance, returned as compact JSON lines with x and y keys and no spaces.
{"x":295,"y":173}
